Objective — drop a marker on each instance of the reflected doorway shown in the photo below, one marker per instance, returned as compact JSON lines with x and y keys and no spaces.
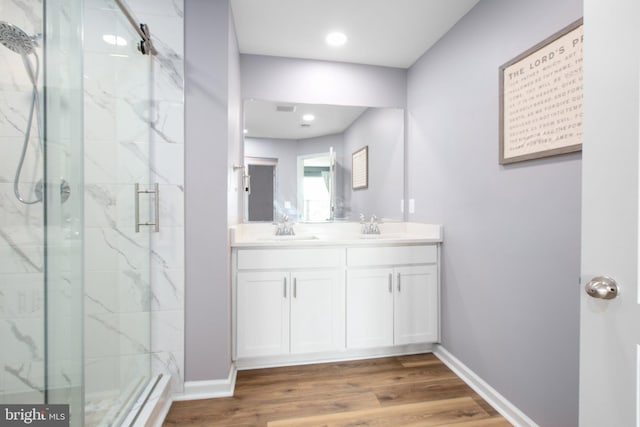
{"x":316,"y":186}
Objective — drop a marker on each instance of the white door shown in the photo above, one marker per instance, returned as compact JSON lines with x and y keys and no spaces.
{"x":317,"y":311}
{"x":370,"y":308}
{"x":263,"y":314}
{"x":416,"y":305}
{"x":610,"y":329}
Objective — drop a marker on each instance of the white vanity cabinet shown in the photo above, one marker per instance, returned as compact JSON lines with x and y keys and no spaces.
{"x":262,"y":313}
{"x":317,"y":311}
{"x":415,"y":306}
{"x":289,"y":311}
{"x":370,"y":308}
{"x":394,"y":305}
{"x":300,"y":304}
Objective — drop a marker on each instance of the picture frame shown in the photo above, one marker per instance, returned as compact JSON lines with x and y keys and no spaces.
{"x":360,"y":168}
{"x":541,"y":99}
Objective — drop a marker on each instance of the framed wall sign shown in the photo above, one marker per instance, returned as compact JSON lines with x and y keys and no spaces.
{"x":541,"y":99}
{"x":360,"y":169}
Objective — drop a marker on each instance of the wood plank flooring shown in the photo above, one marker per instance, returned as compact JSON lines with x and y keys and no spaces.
{"x":414,"y":390}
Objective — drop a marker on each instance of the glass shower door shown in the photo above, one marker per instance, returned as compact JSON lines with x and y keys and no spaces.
{"x":117,"y":297}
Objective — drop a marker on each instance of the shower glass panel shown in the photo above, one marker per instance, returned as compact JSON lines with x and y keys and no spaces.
{"x":117,"y":108}
{"x":64,"y":204}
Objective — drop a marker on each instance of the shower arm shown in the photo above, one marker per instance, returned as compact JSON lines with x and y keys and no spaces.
{"x":146,"y":45}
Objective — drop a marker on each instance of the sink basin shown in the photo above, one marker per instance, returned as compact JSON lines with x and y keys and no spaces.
{"x":286,"y":238}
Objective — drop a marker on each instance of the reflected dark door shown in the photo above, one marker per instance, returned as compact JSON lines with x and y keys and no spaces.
{"x":262,"y":191}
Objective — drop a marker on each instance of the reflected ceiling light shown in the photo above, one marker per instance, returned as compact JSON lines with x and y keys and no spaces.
{"x":336,"y":38}
{"x":114,"y":40}
{"x":245,"y":131}
{"x":308,"y":117}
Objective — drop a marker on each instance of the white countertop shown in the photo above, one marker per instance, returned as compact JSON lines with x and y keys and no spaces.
{"x":334,"y":234}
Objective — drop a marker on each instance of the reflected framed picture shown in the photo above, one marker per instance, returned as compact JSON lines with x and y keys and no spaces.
{"x":360,"y":169}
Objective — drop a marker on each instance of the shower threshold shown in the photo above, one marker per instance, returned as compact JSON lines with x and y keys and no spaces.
{"x":152,"y":405}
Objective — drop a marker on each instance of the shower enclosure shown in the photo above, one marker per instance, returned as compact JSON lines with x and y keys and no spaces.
{"x":75,"y":105}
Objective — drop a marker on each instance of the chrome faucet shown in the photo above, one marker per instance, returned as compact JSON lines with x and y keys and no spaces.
{"x":285,"y":228}
{"x":370,"y":227}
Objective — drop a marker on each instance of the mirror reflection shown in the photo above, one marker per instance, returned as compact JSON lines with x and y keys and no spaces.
{"x":298,"y":161}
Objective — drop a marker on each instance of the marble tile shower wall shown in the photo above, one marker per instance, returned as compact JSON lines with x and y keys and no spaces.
{"x":21,"y":226}
{"x":133,"y":133}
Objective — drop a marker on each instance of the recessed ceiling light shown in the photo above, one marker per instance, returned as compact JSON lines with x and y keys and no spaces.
{"x":114,"y":40}
{"x":308,"y":117}
{"x":336,"y":38}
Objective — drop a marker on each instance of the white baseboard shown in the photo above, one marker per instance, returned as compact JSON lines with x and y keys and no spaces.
{"x":508,"y":410}
{"x":195,"y":390}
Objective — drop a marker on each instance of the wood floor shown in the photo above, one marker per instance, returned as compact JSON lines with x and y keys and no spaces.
{"x":394,"y":391}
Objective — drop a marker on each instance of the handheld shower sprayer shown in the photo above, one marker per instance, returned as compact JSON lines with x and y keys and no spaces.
{"x":18,"y":41}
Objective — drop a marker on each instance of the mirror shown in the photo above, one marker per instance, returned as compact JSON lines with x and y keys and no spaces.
{"x":298,"y":161}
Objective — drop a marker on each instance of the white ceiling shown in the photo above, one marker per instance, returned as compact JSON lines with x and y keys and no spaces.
{"x":263,"y":120}
{"x":393,"y":33}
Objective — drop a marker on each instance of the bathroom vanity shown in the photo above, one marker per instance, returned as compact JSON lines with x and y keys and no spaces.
{"x":331,"y":293}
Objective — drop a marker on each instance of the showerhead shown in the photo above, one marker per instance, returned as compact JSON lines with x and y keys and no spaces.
{"x":15,"y":39}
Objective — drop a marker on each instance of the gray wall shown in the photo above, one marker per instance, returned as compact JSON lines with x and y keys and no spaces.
{"x":382,"y":130}
{"x":212,"y":142}
{"x":321,"y":144}
{"x":511,"y":253}
{"x":322,"y":82}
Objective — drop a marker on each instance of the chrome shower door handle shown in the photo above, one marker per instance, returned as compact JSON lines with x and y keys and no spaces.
{"x":390,"y":283}
{"x":136,"y":193}
{"x":156,"y":204}
{"x":602,"y":287}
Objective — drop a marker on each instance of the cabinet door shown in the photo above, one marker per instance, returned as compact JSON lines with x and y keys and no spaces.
{"x":317,"y":311}
{"x":262,"y":314}
{"x":416,"y":305}
{"x":369,"y":308}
